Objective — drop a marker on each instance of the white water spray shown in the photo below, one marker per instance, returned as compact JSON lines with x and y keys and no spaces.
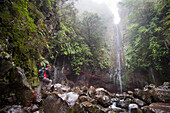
{"x":118,"y":56}
{"x":62,"y":70}
{"x":55,"y":69}
{"x":153,"y":77}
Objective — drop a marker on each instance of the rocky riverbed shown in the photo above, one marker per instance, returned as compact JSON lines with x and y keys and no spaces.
{"x":63,"y":99}
{"x":17,"y":96}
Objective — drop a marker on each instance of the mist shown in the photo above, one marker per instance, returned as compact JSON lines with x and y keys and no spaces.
{"x":101,"y":7}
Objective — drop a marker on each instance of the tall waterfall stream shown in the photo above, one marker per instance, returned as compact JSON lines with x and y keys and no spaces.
{"x":118,"y":56}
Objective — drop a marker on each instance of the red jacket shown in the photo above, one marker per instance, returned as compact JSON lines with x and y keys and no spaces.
{"x":45,"y":74}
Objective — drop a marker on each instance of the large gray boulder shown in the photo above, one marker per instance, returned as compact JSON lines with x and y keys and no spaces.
{"x":70,"y":98}
{"x":54,"y":104}
{"x":133,"y":108}
{"x":144,"y":95}
{"x":151,"y":93}
{"x":91,"y":108}
{"x":19,"y":85}
{"x":157,"y":108}
{"x":139,"y":102}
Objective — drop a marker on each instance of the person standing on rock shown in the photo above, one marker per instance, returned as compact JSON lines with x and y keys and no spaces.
{"x":44,"y":78}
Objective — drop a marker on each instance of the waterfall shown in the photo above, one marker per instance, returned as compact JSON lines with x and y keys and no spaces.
{"x":55,"y":59}
{"x":55,"y":74}
{"x":55,"y":69}
{"x":153,"y":77}
{"x":62,"y":70}
{"x":111,"y":74}
{"x":118,"y":56}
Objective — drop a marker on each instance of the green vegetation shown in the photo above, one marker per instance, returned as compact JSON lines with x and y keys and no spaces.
{"x":93,"y":31}
{"x":33,"y":32}
{"x":148,"y":35}
{"x":18,"y":32}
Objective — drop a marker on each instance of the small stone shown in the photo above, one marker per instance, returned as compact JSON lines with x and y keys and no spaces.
{"x":91,"y":92}
{"x":139,"y":102}
{"x":10,"y":99}
{"x":130,"y":92}
{"x":133,"y":108}
{"x":34,"y":108}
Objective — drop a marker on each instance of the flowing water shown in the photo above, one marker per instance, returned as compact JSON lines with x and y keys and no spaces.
{"x":55,"y":74}
{"x":118,"y":56}
{"x":55,"y":69}
{"x":152,"y":74}
{"x":55,"y":60}
{"x":62,"y":70}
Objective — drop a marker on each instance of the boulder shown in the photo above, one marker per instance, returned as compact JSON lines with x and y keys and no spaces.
{"x":124,"y":103}
{"x":130,"y":92}
{"x":84,"y":89}
{"x":144,"y":95}
{"x":34,"y":108}
{"x":12,"y":109}
{"x":4,"y":91}
{"x":161,"y":95}
{"x":103,"y":100}
{"x":114,"y":100}
{"x":79,"y":91}
{"x":61,"y":88}
{"x":157,"y":108}
{"x":139,"y":102}
{"x":77,"y":108}
{"x":123,"y":96}
{"x":69,"y":97}
{"x":87,"y":98}
{"x":20,"y":86}
{"x":102,"y":91}
{"x":149,"y":87}
{"x":5,"y":66}
{"x":54,"y":104}
{"x":166,"y":85}
{"x":114,"y":108}
{"x":91,"y":92}
{"x":133,"y":108}
{"x":89,"y":107}
{"x":154,"y":94}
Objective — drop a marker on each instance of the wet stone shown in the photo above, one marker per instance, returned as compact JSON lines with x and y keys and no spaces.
{"x":133,"y":108}
{"x":12,"y":109}
{"x":116,"y":109}
{"x":54,"y":104}
{"x":139,"y":102}
{"x":130,"y":92}
{"x":102,"y":91}
{"x":69,"y":97}
{"x":124,"y":103}
{"x":91,"y":92}
{"x":103,"y":100}
{"x":34,"y":108}
{"x":158,"y":108}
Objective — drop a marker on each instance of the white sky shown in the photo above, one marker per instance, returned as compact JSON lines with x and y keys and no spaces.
{"x":112,"y":4}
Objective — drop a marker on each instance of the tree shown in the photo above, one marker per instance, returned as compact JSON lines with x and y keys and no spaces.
{"x":93,"y":30}
{"x":147,"y":34}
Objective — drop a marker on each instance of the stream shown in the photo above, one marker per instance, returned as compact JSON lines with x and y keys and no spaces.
{"x":118,"y":56}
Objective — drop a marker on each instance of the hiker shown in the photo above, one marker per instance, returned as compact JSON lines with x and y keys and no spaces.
{"x":44,"y":78}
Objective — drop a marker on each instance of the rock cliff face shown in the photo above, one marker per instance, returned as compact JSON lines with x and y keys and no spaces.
{"x":14,"y":83}
{"x":86,"y":79}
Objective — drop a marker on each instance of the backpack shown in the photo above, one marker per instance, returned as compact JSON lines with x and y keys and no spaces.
{"x":41,"y":73}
